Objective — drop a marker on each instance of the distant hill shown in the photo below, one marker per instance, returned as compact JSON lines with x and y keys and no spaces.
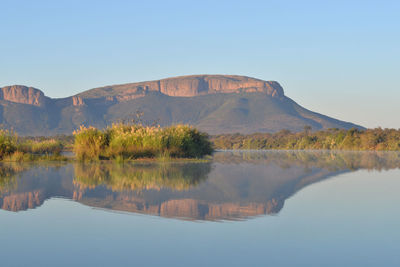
{"x":213,"y":103}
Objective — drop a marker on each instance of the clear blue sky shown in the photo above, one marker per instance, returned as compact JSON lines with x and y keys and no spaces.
{"x":339,"y":58}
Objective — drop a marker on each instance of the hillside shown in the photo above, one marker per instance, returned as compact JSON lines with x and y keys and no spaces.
{"x":213,"y":103}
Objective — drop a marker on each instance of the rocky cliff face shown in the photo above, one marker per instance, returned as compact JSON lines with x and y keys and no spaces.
{"x":22,"y":94}
{"x":184,"y":86}
{"x":77,"y":101}
{"x":188,"y":86}
{"x":208,"y":84}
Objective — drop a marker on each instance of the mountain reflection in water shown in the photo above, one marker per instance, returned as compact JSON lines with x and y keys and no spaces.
{"x":235,"y":185}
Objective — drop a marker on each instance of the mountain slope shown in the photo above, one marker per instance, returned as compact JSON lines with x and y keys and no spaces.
{"x":213,"y":103}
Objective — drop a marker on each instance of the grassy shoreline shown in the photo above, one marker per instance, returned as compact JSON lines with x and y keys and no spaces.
{"x":15,"y":149}
{"x":137,"y":143}
{"x":119,"y":142}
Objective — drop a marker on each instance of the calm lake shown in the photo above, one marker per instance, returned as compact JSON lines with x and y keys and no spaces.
{"x":248,"y":208}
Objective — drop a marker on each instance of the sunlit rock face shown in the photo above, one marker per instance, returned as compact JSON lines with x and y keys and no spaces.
{"x":23,"y":94}
{"x":188,"y":86}
{"x":185,"y":86}
{"x":77,"y":101}
{"x":208,"y":84}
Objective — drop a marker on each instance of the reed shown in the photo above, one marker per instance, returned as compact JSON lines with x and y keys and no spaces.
{"x":16,"y":150}
{"x":8,"y":143}
{"x":50,"y":146}
{"x":132,"y":141}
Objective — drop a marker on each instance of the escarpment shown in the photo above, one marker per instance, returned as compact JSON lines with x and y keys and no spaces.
{"x":188,"y":86}
{"x":23,"y":94}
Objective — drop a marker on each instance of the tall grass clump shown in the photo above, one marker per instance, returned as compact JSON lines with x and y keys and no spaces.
{"x":44,"y":147}
{"x":15,"y":149}
{"x":90,"y":143}
{"x":8,"y":143}
{"x":132,"y":141}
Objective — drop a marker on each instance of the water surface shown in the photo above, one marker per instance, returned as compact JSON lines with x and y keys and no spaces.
{"x":249,"y":208}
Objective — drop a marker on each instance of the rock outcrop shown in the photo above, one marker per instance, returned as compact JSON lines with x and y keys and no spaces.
{"x":188,"y":86}
{"x":77,"y":101}
{"x":22,"y":94}
{"x":184,"y":86}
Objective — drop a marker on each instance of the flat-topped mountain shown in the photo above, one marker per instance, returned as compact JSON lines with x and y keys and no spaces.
{"x":213,"y":103}
{"x":188,"y":86}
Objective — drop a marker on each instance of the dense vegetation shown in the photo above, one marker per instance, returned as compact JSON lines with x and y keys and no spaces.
{"x":13,"y":148}
{"x":331,"y":139}
{"x":131,"y":141}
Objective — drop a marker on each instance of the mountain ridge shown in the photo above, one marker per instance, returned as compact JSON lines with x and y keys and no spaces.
{"x":190,"y":85}
{"x":213,"y":103}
